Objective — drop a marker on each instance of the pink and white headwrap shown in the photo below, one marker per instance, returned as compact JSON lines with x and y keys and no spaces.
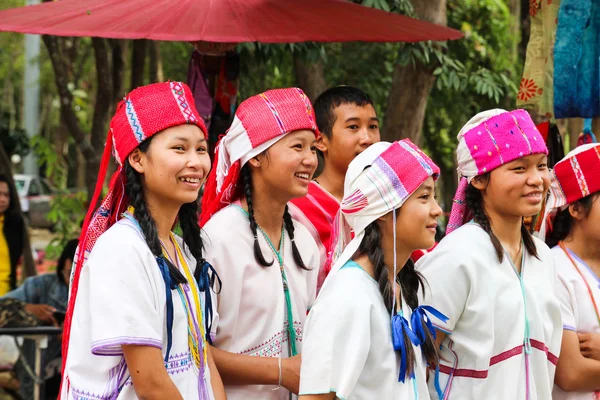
{"x":378,"y":180}
{"x":490,"y":139}
{"x":574,"y":177}
{"x":260,"y":121}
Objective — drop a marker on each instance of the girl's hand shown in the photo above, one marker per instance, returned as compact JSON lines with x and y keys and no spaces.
{"x":589,"y":345}
{"x":290,"y":371}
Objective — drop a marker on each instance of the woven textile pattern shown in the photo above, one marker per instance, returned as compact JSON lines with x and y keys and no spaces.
{"x":275,"y":112}
{"x":579,"y":175}
{"x":151,"y":109}
{"x":502,"y":139}
{"x":391,"y":178}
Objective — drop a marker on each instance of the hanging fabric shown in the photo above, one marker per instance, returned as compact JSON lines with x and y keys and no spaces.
{"x":577,"y":60}
{"x":536,"y":88}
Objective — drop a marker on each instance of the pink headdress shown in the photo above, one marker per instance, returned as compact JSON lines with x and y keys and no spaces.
{"x":395,"y":171}
{"x":574,"y":177}
{"x":143,"y":113}
{"x":259,"y":122}
{"x":490,"y":139}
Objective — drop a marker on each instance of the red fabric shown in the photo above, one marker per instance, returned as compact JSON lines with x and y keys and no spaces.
{"x":224,"y":21}
{"x":544,"y":128}
{"x":578,"y":175}
{"x":142,"y":113}
{"x":320,"y":208}
{"x":263,"y":117}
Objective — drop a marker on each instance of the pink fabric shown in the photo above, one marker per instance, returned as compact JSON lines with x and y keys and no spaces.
{"x":261,"y":118}
{"x":496,"y":141}
{"x":504,"y":138}
{"x":142,"y":113}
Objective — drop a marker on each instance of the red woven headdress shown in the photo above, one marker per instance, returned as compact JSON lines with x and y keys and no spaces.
{"x":259,"y":122}
{"x":144,"y":112}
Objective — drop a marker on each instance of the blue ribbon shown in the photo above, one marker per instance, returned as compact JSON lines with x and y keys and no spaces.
{"x":419,"y":316}
{"x":400,"y":328}
{"x":203,"y":279}
{"x":169,"y":286}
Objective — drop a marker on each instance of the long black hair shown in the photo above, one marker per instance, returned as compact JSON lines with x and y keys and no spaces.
{"x":187,"y":217}
{"x":563,"y":221}
{"x":246,"y":178}
{"x":474,"y":201}
{"x":12,"y":195}
{"x":410,"y":280}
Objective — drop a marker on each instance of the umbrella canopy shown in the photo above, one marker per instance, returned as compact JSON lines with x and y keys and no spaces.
{"x":223,"y":21}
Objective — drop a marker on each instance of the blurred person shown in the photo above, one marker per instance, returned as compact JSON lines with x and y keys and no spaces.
{"x":42,"y":297}
{"x":12,"y":233}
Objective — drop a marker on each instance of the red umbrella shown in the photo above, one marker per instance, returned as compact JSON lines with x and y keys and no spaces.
{"x":224,"y":21}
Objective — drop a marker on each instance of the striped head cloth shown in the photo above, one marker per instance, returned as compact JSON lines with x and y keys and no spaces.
{"x":490,"y":139}
{"x":144,"y":112}
{"x":378,"y":181}
{"x":574,"y":177}
{"x":259,"y":122}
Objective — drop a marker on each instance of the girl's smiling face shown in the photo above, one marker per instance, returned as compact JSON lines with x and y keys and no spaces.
{"x":175,"y":165}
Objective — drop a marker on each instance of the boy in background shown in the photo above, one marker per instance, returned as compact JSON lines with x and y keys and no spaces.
{"x":348,"y":124}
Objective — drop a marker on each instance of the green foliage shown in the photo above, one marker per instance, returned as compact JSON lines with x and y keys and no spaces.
{"x":67,"y":211}
{"x":477,"y":73}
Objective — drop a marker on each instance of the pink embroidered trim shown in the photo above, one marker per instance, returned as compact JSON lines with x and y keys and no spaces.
{"x":482,"y":374}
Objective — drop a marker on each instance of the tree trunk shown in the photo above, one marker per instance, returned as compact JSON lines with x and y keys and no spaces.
{"x":310,"y":77}
{"x":412,"y":84}
{"x":138,"y":63}
{"x":91,"y":147}
{"x":5,"y":167}
{"x":118,"y":48}
{"x":156,"y":69}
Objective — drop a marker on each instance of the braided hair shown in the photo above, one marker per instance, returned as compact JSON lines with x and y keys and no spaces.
{"x":187,"y":217}
{"x":563,"y":222}
{"x":246,"y":178}
{"x":410,"y":280}
{"x":474,"y":201}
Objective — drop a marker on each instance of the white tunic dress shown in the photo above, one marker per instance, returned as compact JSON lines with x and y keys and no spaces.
{"x":483,"y":355}
{"x":348,"y":343}
{"x":121,"y":300}
{"x":252,"y":317}
{"x":578,"y":311}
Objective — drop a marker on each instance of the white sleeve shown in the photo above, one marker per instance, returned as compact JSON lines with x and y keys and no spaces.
{"x":337,"y":339}
{"x":447,"y":284}
{"x":565,"y":294}
{"x":123,"y":296}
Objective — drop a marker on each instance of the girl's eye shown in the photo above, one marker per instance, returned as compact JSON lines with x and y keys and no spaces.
{"x":374,"y":127}
{"x":180,"y":148}
{"x":201,"y":149}
{"x":425,"y":196}
{"x":353,"y":127}
{"x":313,"y":148}
{"x":298,"y":146}
{"x":543,"y":166}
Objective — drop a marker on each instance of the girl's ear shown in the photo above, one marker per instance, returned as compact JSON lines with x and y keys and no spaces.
{"x":322,"y":144}
{"x":480,"y":182}
{"x":576,"y":211}
{"x":254,"y":162}
{"x":137,"y":160}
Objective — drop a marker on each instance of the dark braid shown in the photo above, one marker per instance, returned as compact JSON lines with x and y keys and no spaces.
{"x":134,"y":190}
{"x":289,"y":227}
{"x":247,"y":182}
{"x":563,"y":222}
{"x":409,"y":280}
{"x":474,"y":201}
{"x":371,"y":246}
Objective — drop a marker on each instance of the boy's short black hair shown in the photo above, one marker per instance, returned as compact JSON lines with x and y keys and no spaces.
{"x":332,"y":98}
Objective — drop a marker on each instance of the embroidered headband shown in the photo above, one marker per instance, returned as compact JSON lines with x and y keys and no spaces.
{"x":574,"y":177}
{"x":378,"y":180}
{"x":490,"y":139}
{"x":259,"y":122}
{"x":143,"y":113}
